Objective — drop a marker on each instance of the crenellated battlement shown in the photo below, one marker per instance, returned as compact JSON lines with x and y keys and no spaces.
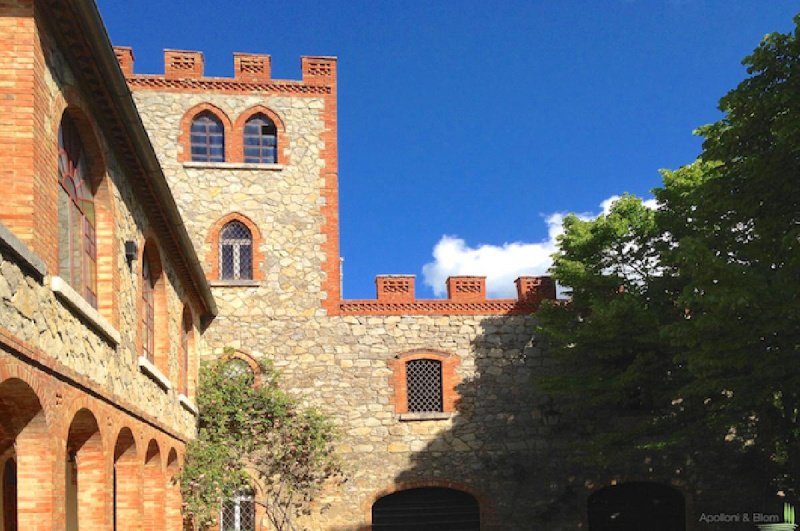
{"x":185,"y":70}
{"x":466,"y":295}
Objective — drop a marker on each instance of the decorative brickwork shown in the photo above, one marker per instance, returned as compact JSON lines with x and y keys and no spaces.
{"x":395,"y":288}
{"x":182,"y":64}
{"x":251,"y":67}
{"x":466,"y":289}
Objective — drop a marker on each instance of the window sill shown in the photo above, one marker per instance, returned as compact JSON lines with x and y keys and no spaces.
{"x":233,"y":283}
{"x":428,"y":415}
{"x":147,"y":367}
{"x":188,"y":405}
{"x":234,"y":166}
{"x":79,"y":305}
{"x":30,"y":260}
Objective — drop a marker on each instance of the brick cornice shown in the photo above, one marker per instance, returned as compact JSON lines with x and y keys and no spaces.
{"x":437,"y":307}
{"x":226,"y":85}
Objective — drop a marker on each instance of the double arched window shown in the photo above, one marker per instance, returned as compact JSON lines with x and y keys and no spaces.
{"x":260,"y":140}
{"x":77,"y":245}
{"x":207,"y":138}
{"x":235,"y":252}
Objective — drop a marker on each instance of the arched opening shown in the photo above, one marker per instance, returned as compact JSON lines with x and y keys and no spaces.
{"x":635,"y":506}
{"x":27,"y":472}
{"x":260,"y":140}
{"x":207,"y":138}
{"x":153,"y":517}
{"x":427,"y":509}
{"x":86,"y":478}
{"x":153,"y":309}
{"x":185,"y":353}
{"x":173,"y":497}
{"x":127,"y":482}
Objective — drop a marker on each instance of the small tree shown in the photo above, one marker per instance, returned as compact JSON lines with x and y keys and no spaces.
{"x":250,"y":429}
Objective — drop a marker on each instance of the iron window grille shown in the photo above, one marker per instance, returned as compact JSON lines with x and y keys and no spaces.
{"x":424,"y":386}
{"x":77,"y":245}
{"x":260,"y":140}
{"x":207,"y":138}
{"x":148,"y":309}
{"x":238,"y":513}
{"x":235,"y":252}
{"x":237,"y":368}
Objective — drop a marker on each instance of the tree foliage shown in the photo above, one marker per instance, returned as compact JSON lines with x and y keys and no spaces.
{"x":252,"y":429}
{"x":687,"y":317}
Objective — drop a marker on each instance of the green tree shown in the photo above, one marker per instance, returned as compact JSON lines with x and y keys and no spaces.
{"x":689,"y":314}
{"x":254,"y":429}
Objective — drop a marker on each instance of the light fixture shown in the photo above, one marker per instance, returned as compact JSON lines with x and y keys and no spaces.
{"x":131,"y":251}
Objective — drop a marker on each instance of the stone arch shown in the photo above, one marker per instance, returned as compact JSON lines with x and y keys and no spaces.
{"x":70,"y":104}
{"x":127,"y":481}
{"x":154,"y":483}
{"x":25,"y":437}
{"x":172,"y":499}
{"x":636,"y":505}
{"x":212,"y":259}
{"x":399,"y":377}
{"x":150,"y":250}
{"x":238,"y":133}
{"x":87,"y":481}
{"x":184,"y":135}
{"x":486,"y":508}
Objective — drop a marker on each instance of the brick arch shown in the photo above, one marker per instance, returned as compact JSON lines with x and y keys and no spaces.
{"x":212,"y":259}
{"x":172,"y":498}
{"x":161,"y":325}
{"x":154,"y":487}
{"x":237,"y":144}
{"x":255,"y":366}
{"x":184,"y":140}
{"x":88,"y":480}
{"x":450,"y":380}
{"x":69,"y":102}
{"x":485,"y":503}
{"x":127,"y":477}
{"x":26,"y":429}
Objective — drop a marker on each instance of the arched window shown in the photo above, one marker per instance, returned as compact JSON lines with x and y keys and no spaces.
{"x":238,"y":513}
{"x":148,"y":315}
{"x":207,"y":138}
{"x":235,"y":252}
{"x":260,"y":140}
{"x":77,"y":245}
{"x":238,"y":368}
{"x":424,"y":384}
{"x":186,"y":333}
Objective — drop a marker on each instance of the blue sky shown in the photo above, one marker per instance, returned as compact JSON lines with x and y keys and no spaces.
{"x":467,"y":128}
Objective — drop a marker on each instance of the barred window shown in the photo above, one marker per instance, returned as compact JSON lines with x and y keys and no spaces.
{"x":260,"y":140}
{"x":238,"y":513}
{"x":207,"y":138}
{"x":77,"y":245}
{"x":186,"y":332}
{"x":424,"y":385}
{"x":235,"y":252}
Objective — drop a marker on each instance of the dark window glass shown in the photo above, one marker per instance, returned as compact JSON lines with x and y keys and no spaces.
{"x":259,"y":134}
{"x":77,"y":246}
{"x":207,"y":138}
{"x":148,"y":309}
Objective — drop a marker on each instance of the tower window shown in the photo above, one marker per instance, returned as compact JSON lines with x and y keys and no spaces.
{"x":207,"y":138}
{"x":260,"y":140}
{"x":235,"y":252}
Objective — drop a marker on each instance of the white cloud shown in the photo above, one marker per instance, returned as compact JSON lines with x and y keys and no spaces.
{"x":500,"y":264}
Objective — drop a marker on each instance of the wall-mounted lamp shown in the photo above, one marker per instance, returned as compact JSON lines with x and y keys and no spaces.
{"x":131,"y":252}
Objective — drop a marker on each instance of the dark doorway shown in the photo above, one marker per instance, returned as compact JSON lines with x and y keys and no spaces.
{"x":637,"y":506}
{"x":427,"y":509}
{"x":10,"y":495}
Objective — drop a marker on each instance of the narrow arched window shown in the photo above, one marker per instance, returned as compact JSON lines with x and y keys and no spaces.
{"x":238,"y":513}
{"x":424,"y":385}
{"x":235,"y":252}
{"x":77,"y":244}
{"x":186,"y":332}
{"x":260,"y":140}
{"x":207,"y":138}
{"x":148,"y":315}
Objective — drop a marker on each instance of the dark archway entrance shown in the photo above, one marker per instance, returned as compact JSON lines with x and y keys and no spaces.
{"x":637,"y":506}
{"x":427,"y":509}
